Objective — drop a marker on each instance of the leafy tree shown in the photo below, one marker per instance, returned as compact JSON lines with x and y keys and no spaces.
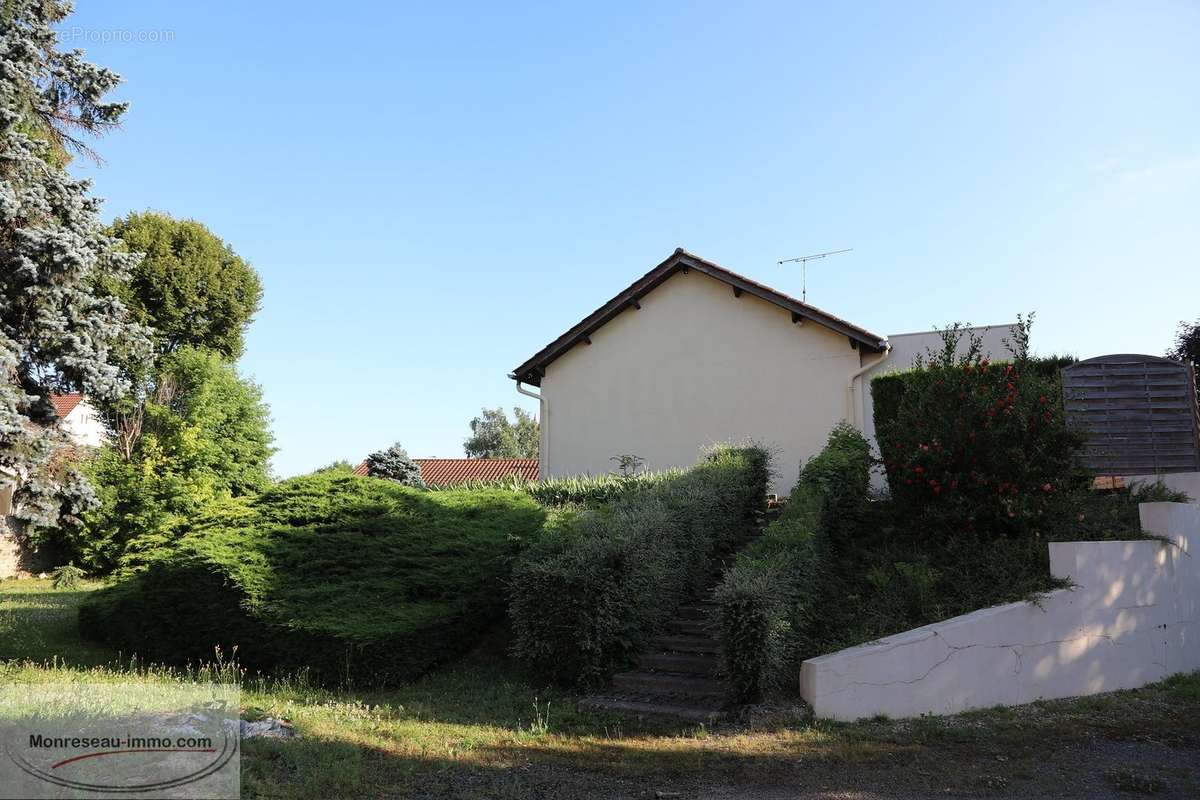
{"x":203,"y":438}
{"x":493,"y":436}
{"x":1187,"y":346}
{"x":190,"y":286}
{"x":394,"y":464}
{"x":57,"y":332}
{"x":1187,"y":343}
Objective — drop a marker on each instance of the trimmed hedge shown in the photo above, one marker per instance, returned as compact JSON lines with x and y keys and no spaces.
{"x":888,"y":390}
{"x":587,"y":596}
{"x":760,"y":599}
{"x":976,"y":447}
{"x":356,"y":579}
{"x":590,"y":491}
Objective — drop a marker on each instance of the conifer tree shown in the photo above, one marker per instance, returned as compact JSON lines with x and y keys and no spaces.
{"x":394,"y":464}
{"x":58,"y":333}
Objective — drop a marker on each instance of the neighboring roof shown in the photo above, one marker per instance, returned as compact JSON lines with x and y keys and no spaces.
{"x":65,"y":403}
{"x":681,"y":261}
{"x":449,"y":471}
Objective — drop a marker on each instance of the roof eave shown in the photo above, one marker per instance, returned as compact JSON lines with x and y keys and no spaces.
{"x":533,"y":369}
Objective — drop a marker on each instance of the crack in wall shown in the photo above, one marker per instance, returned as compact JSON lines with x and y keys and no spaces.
{"x":952,"y":650}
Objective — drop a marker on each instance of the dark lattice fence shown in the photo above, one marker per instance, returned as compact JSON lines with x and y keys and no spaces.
{"x":1139,"y":414}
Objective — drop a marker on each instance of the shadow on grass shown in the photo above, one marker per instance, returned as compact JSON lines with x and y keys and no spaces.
{"x":41,"y":624}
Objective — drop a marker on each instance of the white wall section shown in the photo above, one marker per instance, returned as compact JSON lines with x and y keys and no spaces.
{"x":1132,"y":619}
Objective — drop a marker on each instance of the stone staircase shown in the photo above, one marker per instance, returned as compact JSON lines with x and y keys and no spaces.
{"x":677,"y":675}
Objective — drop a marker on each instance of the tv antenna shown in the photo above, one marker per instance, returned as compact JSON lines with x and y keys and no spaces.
{"x":804,"y":268}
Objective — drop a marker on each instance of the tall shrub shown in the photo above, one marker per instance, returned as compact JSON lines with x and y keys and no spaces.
{"x":202,"y":436}
{"x":764,"y":598}
{"x":587,"y":596}
{"x":976,"y":447}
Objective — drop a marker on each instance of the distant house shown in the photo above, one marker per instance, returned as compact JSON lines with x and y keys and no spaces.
{"x":692,"y":353}
{"x":451,"y":471}
{"x":80,"y":419}
{"x":83,"y":425}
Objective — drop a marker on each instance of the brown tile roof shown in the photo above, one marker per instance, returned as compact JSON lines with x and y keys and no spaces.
{"x":65,"y":403}
{"x":449,"y":471}
{"x":680,"y":261}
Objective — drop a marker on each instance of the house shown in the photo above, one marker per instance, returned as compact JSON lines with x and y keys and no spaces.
{"x":80,"y":419}
{"x":692,"y":353}
{"x":85,"y":428}
{"x":452,"y":471}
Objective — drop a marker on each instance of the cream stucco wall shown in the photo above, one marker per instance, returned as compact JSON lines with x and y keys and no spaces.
{"x":695,"y":365}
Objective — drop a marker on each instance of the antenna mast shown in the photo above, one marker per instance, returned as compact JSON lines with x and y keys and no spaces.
{"x":804,"y":268}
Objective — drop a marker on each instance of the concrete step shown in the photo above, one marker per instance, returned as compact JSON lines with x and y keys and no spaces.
{"x":649,"y":708}
{"x":691,"y":627}
{"x":694,"y":611}
{"x":686,"y":644}
{"x":673,"y":684}
{"x":691,"y":663}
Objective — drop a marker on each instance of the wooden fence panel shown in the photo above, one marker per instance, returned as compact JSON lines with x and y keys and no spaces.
{"x":1139,"y":414}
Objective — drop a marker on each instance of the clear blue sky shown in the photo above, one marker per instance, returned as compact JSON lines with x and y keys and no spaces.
{"x":432,"y":194}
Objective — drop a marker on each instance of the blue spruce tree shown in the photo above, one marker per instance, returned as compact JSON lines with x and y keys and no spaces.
{"x":58,"y":333}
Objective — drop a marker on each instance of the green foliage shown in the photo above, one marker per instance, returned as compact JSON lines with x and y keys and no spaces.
{"x":889,"y":388}
{"x":974,"y":446}
{"x":57,"y":334}
{"x":358,"y":580}
{"x":68,"y":576}
{"x":574,"y":490}
{"x":759,"y":598}
{"x":493,"y":436}
{"x":189,"y":287}
{"x":1187,"y":346}
{"x":1187,"y":343}
{"x":587,"y":595}
{"x":393,"y":464}
{"x":628,"y":464}
{"x":203,"y":438}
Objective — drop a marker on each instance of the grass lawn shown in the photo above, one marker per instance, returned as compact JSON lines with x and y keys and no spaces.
{"x":476,"y":729}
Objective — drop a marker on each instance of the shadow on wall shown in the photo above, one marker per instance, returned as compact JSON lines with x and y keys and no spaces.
{"x":18,"y":558}
{"x":1131,"y":618}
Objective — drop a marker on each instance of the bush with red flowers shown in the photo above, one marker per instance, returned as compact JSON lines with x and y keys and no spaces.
{"x":976,"y":447}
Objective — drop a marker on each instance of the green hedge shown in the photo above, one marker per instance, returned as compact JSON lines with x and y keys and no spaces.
{"x":761,"y":598}
{"x":887,"y":390}
{"x":575,"y":490}
{"x":586,"y":597}
{"x":357,"y":579}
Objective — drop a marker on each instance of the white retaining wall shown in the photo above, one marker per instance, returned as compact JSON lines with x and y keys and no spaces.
{"x":1132,"y":619}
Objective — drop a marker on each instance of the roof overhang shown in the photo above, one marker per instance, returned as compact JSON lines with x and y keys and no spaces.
{"x":532,"y":370}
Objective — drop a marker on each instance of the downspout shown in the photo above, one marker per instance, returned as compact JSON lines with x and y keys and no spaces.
{"x":543,"y":428}
{"x":852,"y":417}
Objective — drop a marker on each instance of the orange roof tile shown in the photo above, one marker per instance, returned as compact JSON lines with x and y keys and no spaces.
{"x":65,"y":403}
{"x":449,"y":471}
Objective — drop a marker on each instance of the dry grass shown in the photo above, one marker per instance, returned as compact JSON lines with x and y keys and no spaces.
{"x":478,"y":729}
